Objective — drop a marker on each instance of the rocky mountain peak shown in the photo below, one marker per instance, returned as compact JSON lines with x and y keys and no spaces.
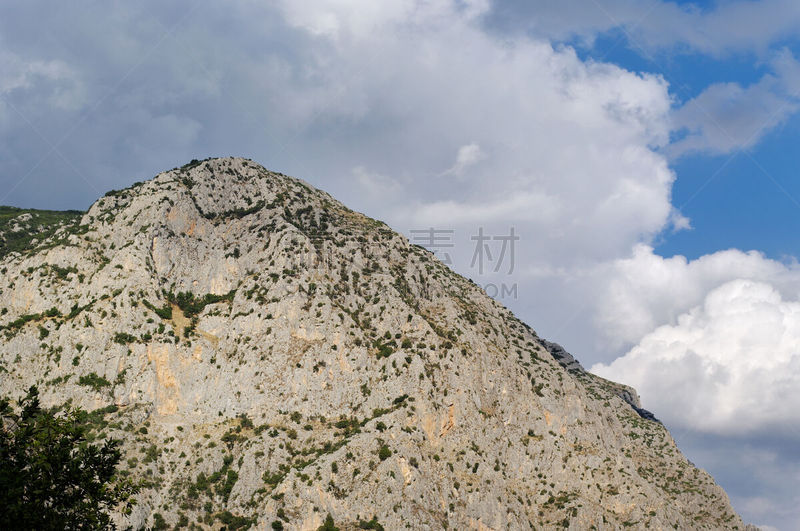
{"x":270,"y":357}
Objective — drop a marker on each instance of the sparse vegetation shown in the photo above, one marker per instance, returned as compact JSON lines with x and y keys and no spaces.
{"x":330,"y":318}
{"x":41,"y":227}
{"x":94,"y":381}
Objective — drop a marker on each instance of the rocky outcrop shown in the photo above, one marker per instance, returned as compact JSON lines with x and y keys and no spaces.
{"x":626,"y":393}
{"x":270,"y":357}
{"x":564,"y":358}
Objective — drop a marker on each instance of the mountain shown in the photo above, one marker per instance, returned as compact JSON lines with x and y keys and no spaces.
{"x":270,"y":357}
{"x":21,"y":229}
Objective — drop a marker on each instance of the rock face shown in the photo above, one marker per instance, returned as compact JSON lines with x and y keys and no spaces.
{"x":568,"y":361}
{"x":564,"y":358}
{"x":268,"y":355}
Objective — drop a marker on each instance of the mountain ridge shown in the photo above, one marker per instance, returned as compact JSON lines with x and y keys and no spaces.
{"x":269,"y":355}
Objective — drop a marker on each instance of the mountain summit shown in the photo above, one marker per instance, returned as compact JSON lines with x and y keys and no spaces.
{"x":270,"y":357}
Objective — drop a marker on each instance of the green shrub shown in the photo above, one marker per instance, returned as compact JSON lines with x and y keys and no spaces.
{"x":226,"y":487}
{"x":384,"y":350}
{"x":328,"y":525}
{"x":123,"y":338}
{"x":234,"y":522}
{"x":191,"y":305}
{"x":245,"y":422}
{"x":372,"y":524}
{"x":159,"y":522}
{"x":384,"y":453}
{"x":94,"y":381}
{"x":23,"y":320}
{"x":42,"y":226}
{"x":164,"y":313}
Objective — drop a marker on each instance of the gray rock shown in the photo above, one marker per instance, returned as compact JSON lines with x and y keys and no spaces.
{"x":628,"y":394}
{"x":564,"y":358}
{"x":322,"y":365}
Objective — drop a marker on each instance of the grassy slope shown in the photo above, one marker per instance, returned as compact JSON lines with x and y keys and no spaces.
{"x":42,"y":225}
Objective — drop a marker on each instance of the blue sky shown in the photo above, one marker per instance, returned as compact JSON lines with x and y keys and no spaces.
{"x":747,"y":199}
{"x":643,"y":150}
{"x":734,"y":203}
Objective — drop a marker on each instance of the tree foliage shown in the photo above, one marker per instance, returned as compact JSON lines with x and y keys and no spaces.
{"x":50,"y":476}
{"x":328,"y":524}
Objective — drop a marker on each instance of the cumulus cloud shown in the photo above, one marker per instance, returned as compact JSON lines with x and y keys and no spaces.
{"x":574,"y":140}
{"x":564,"y":150}
{"x":638,"y":293}
{"x":530,"y":207}
{"x":728,"y":366}
{"x":372,"y":104}
{"x":339,"y":19}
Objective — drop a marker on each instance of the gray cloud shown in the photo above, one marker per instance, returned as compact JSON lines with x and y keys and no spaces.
{"x":760,"y":473}
{"x":656,"y":25}
{"x":727,"y":116}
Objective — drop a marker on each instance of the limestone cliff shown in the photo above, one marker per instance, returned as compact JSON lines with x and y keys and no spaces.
{"x":268,"y":355}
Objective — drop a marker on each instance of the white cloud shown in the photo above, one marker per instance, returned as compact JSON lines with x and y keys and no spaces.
{"x":570,"y":143}
{"x":727,"y":116}
{"x":731,"y":26}
{"x":728,"y":366}
{"x":639,"y":293}
{"x":678,"y":221}
{"x":526,"y":207}
{"x":375,"y":184}
{"x":726,"y":27}
{"x":713,"y":343}
{"x":562,"y":149}
{"x":468,"y":155}
{"x":52,"y":81}
{"x":354,"y":20}
{"x":16,"y":73}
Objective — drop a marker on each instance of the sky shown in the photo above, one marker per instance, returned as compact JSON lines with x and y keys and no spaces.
{"x":621,"y":174}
